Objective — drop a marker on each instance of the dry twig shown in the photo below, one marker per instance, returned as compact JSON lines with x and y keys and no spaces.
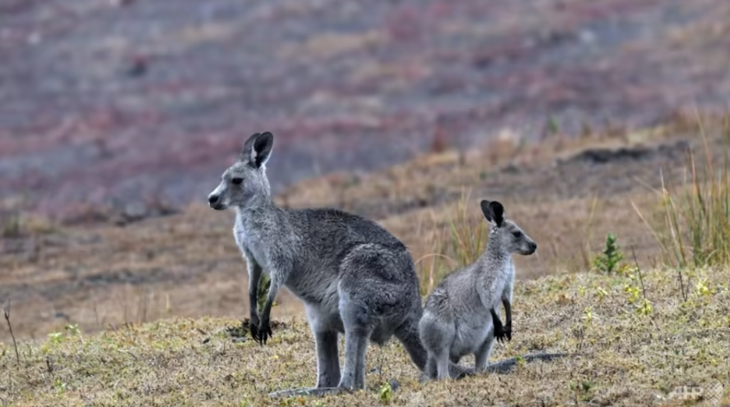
{"x":6,"y":312}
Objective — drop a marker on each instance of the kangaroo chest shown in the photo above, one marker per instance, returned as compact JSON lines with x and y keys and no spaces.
{"x":252,"y":242}
{"x":491,"y":286}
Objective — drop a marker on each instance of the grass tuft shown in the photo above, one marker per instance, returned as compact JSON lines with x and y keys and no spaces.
{"x":468,"y":234}
{"x":695,"y":231}
{"x":461,"y":243}
{"x":14,"y":224}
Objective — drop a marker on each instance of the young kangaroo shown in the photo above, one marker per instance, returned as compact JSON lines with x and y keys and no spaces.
{"x":352,"y":275}
{"x":461,"y":315}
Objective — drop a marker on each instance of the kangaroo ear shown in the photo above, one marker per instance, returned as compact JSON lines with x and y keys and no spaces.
{"x":257,"y":149}
{"x":487,"y":210}
{"x":498,"y":211}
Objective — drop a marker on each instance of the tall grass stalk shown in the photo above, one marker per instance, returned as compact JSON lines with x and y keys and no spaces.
{"x":695,"y":231}
{"x":468,"y":233}
{"x":461,"y":243}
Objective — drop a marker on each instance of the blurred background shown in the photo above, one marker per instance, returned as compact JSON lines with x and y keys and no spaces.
{"x":124,"y":102}
{"x":118,"y":111}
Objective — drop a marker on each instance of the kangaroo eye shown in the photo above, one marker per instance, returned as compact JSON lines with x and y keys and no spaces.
{"x":236,"y":181}
{"x":517,"y":234}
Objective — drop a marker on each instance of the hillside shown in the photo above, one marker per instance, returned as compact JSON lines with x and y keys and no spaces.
{"x":143,"y":313}
{"x":620,"y":353}
{"x":131,"y":102}
{"x":585,"y":118}
{"x":568,"y":194}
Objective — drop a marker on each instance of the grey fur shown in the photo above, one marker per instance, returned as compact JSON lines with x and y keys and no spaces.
{"x":354,"y":277}
{"x":461,"y":315}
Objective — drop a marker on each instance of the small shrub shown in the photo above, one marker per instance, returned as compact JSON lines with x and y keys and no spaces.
{"x":60,"y":386}
{"x":17,"y":225}
{"x":587,"y":316}
{"x":608,"y":261}
{"x":386,"y":393}
{"x":636,"y":291}
{"x":584,"y":390}
{"x":73,"y":329}
{"x":12,"y":226}
{"x":601,"y":293}
{"x":551,"y":126}
{"x":645,"y":308}
{"x":701,"y":288}
{"x":56,"y":337}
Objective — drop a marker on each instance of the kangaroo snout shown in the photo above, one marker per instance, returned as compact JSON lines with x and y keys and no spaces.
{"x":531,"y":247}
{"x":214,"y":201}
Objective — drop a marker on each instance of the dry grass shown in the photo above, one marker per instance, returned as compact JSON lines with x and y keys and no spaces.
{"x":187,"y":264}
{"x":633,"y":330}
{"x":696,"y":227}
{"x":15,"y":224}
{"x":622,"y":355}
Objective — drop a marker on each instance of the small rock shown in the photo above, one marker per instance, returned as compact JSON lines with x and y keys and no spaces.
{"x":137,"y":67}
{"x":62,"y":315}
{"x":511,"y":168}
{"x":135,"y":210}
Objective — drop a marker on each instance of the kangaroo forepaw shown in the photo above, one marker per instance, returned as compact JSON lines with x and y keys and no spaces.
{"x":262,"y":332}
{"x":508,"y":331}
{"x":253,"y":327}
{"x":500,"y":333}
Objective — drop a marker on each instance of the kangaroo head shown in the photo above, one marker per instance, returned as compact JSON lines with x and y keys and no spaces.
{"x":245,"y":181}
{"x":508,"y":234}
